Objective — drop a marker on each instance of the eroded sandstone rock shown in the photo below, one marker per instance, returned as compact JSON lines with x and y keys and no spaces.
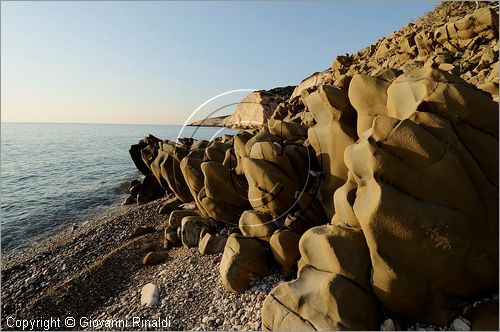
{"x":212,"y":244}
{"x":438,"y":209}
{"x":257,"y":225}
{"x":225,"y":193}
{"x":319,"y":300}
{"x":285,"y":249}
{"x":242,"y":260}
{"x":170,"y":205}
{"x":334,"y":131}
{"x":417,"y":185}
{"x":175,"y":218}
{"x":334,"y":267}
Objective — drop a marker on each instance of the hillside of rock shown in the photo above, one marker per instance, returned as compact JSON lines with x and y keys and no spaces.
{"x":460,"y":38}
{"x":254,"y":110}
{"x":372,"y":186}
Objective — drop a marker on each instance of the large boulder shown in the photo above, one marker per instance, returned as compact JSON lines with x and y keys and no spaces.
{"x":192,"y":228}
{"x":472,"y":113}
{"x":149,"y":154}
{"x":212,"y":244}
{"x":156,"y":169}
{"x":332,"y":290}
{"x":418,"y":184}
{"x":175,"y":218}
{"x":216,"y":151}
{"x":319,"y":300}
{"x":272,"y":192}
{"x":285,"y":248}
{"x":280,"y":180}
{"x":239,"y":144}
{"x":257,"y":225}
{"x":263,"y":135}
{"x":243,"y":260}
{"x":368,"y":95}
{"x":136,"y":153}
{"x":295,"y":161}
{"x":290,"y":131}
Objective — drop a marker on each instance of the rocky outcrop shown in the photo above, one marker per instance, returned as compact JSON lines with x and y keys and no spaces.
{"x":373,"y":186}
{"x":446,"y":210}
{"x":210,"y":122}
{"x":333,"y":132}
{"x":454,"y":37}
{"x":254,"y":110}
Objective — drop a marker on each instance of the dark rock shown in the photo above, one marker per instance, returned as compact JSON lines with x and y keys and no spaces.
{"x":135,"y":154}
{"x":129,"y":200}
{"x":150,"y":190}
{"x":212,"y":244}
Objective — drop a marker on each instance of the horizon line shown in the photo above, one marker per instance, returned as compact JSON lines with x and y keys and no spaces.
{"x":96,"y":123}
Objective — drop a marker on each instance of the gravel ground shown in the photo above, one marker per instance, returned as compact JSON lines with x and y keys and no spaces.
{"x":95,"y":271}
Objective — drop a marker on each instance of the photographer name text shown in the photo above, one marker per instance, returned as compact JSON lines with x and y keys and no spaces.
{"x":85,"y":322}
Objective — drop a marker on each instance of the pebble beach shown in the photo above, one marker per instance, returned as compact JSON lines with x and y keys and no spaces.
{"x":77,"y":258}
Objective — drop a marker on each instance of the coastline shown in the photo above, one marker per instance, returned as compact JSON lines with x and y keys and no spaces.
{"x":316,"y":220}
{"x":72,"y":223}
{"x":73,"y":272}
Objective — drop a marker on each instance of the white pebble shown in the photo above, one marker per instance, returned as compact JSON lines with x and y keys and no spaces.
{"x":459,"y":324}
{"x":150,"y":295}
{"x":388,"y":325}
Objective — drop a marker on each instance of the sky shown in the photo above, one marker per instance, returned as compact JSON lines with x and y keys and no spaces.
{"x":137,"y":62}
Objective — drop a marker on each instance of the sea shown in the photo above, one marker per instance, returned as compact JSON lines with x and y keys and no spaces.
{"x":55,"y":175}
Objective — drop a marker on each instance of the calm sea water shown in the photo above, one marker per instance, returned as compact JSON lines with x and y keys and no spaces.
{"x":55,"y":174}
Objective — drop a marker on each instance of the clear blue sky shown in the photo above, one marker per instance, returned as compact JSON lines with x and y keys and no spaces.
{"x":155,"y":62}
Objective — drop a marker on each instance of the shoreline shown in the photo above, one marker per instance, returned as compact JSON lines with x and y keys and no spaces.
{"x":72,"y":222}
{"x":73,"y":272}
